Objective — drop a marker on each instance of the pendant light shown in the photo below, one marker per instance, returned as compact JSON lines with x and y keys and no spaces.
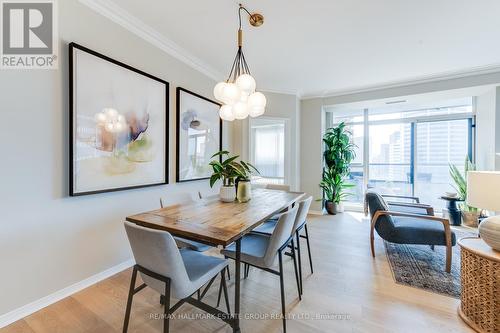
{"x":237,"y":93}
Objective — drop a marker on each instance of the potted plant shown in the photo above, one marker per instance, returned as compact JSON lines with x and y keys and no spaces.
{"x":470,"y":214}
{"x":229,"y":171}
{"x":338,"y":155}
{"x":243,"y":187}
{"x":334,"y":191}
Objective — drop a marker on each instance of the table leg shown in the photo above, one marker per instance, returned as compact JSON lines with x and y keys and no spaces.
{"x":455,"y":214}
{"x":236,"y":327}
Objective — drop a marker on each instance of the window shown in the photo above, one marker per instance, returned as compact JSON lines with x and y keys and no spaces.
{"x":267,"y":150}
{"x":407,"y":150}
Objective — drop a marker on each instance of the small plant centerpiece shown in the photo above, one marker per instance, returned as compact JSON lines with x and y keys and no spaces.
{"x":338,"y":155}
{"x":470,"y":214}
{"x":233,"y":174}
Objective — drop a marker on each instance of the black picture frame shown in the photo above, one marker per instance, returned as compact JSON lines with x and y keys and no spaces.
{"x":71,"y":48}
{"x":178,"y":92}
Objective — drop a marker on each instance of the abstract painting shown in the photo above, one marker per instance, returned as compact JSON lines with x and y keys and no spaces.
{"x":118,"y":125}
{"x":199,"y":135}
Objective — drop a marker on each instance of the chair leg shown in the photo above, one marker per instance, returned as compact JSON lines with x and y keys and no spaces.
{"x":296,"y":270}
{"x":432,"y":247}
{"x":282,"y":288}
{"x":129,"y":300}
{"x":220,"y":288}
{"x":166,"y":310}
{"x":228,"y":274}
{"x":226,"y":296}
{"x":300,"y":260}
{"x":448,"y":258}
{"x":308,"y":248}
{"x":372,"y":242}
{"x":245,"y":270}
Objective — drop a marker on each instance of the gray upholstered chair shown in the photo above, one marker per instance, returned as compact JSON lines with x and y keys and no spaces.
{"x":261,"y":251}
{"x":169,"y":270}
{"x":299,"y":224}
{"x":407,"y":228}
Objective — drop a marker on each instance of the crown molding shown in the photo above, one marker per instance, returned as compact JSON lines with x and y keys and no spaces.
{"x":117,"y":14}
{"x":443,"y":76}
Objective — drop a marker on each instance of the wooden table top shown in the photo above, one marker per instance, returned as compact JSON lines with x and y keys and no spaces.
{"x":479,"y":247}
{"x":215,"y":222}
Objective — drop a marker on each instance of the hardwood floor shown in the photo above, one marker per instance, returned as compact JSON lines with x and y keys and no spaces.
{"x":346,"y":282}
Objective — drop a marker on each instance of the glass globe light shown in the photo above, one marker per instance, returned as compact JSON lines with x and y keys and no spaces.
{"x":219,"y":91}
{"x":246,"y":83}
{"x":257,"y":99}
{"x":240,"y":110}
{"x":109,"y":127}
{"x":111,"y":113}
{"x":231,"y":94}
{"x":100,"y":118}
{"x":244,"y":97}
{"x":118,"y":127}
{"x":256,"y":111}
{"x":226,"y":113}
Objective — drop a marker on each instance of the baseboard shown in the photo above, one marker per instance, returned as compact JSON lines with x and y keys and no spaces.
{"x":316,"y":212}
{"x":33,"y":307}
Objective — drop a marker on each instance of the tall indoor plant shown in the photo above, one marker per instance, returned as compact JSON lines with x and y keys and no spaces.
{"x":338,"y":155}
{"x":469,"y":214}
{"x":334,"y":191}
{"x":233,"y":174}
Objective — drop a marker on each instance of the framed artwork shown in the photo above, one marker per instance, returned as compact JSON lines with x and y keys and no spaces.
{"x":118,"y":125}
{"x":199,"y":135}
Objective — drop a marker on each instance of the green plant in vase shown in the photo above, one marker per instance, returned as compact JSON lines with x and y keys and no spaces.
{"x":230,"y":171}
{"x":469,"y":214}
{"x":338,"y":155}
{"x":334,"y":190}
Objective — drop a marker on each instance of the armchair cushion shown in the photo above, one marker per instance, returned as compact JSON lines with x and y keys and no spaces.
{"x":384,"y":224}
{"x":410,"y":230}
{"x":411,"y":209}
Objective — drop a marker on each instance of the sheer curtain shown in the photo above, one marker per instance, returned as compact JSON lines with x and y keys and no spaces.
{"x":268,"y":151}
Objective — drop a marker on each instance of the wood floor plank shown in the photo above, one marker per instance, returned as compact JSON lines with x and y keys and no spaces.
{"x":348,"y":292}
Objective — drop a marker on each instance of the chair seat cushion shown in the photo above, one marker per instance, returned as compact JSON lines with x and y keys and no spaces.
{"x":200,"y":267}
{"x":193,"y":245}
{"x":253,"y":249}
{"x":410,"y":230}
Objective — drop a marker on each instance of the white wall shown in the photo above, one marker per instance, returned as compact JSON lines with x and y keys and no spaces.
{"x":485,"y":130}
{"x":48,"y":240}
{"x":278,"y":106}
{"x":311,"y":124}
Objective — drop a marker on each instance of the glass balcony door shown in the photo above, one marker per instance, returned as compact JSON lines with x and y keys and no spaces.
{"x":439,"y":144}
{"x":390,"y":161}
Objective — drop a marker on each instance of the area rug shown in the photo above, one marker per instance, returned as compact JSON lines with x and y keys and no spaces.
{"x":420,"y":267}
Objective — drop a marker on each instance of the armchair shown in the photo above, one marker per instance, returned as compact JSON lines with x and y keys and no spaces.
{"x":394,"y":223}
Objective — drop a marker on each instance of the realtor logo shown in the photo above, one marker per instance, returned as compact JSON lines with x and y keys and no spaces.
{"x":29,"y":37}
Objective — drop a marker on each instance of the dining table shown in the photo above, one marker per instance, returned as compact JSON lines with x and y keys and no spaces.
{"x":218,"y":223}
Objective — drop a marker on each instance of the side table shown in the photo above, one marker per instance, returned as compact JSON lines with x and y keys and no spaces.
{"x":480,"y":278}
{"x":455,"y":214}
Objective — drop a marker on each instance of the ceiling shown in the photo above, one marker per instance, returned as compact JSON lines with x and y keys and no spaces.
{"x":326,"y":47}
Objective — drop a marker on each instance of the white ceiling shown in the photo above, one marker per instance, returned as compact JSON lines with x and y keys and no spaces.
{"x":323,"y":47}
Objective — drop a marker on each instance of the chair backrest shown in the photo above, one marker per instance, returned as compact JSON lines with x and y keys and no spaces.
{"x":278,"y":187}
{"x":157,"y":251}
{"x":180,"y":198}
{"x":303,"y":209}
{"x":281,"y":234}
{"x":384,"y":224}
